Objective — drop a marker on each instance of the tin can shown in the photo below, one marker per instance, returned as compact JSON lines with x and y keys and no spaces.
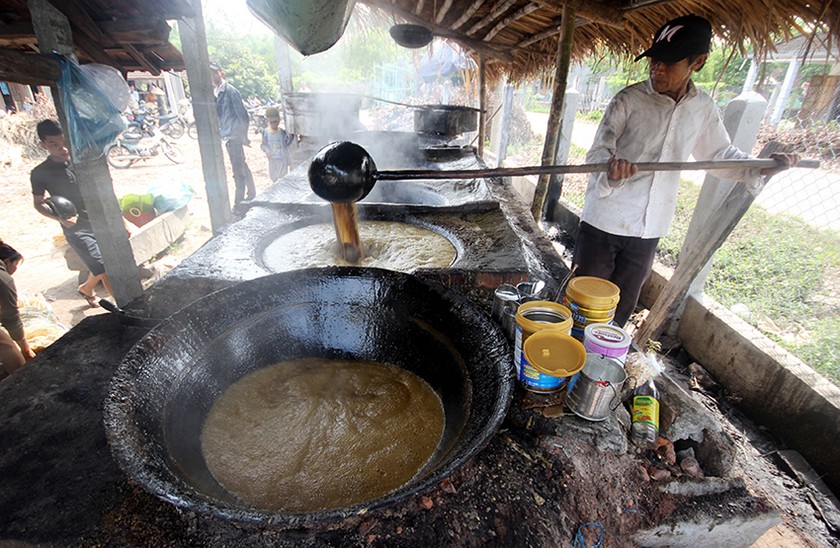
{"x":503,"y":294}
{"x":535,"y":316}
{"x":551,"y":357}
{"x":595,"y":392}
{"x":531,"y":289}
{"x":509,"y":320}
{"x":607,"y":340}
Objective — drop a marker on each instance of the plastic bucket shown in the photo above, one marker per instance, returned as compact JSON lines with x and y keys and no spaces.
{"x":607,"y":340}
{"x":535,"y":316}
{"x":593,"y":292}
{"x":591,"y":300}
{"x":596,"y":391}
{"x":551,"y":357}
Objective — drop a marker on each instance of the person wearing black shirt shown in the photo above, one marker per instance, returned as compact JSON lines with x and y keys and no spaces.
{"x":55,"y":177}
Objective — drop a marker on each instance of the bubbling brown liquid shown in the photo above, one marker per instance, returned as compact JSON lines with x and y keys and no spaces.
{"x":395,"y":246}
{"x":314,"y":434}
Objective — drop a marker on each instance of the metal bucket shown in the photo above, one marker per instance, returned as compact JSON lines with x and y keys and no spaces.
{"x":596,"y":391}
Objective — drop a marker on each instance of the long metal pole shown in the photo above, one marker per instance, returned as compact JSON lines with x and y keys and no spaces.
{"x":581,"y":168}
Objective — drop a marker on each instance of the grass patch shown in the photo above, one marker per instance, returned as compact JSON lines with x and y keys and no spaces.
{"x":669,"y":246}
{"x":782,"y":270}
{"x":591,"y":116}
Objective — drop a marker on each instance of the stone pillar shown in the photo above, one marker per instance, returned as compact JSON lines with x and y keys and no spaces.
{"x":496,"y":117}
{"x":504,"y":124}
{"x":749,"y":83}
{"x":564,"y":143}
{"x":742,"y":119}
{"x":784,"y":91}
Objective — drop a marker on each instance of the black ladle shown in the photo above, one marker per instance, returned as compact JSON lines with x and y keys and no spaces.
{"x":345,"y":172}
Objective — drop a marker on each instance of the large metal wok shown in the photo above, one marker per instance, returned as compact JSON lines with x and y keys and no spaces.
{"x":165,"y":386}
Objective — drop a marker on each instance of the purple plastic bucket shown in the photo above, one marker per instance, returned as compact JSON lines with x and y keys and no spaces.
{"x":607,"y":340}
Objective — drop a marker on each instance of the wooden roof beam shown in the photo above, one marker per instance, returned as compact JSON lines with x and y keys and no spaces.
{"x":27,"y":68}
{"x":443,"y":32}
{"x":141,"y":59}
{"x":137,"y":31}
{"x":542,"y":35}
{"x":16,"y":31}
{"x":498,"y":8}
{"x":80,"y":21}
{"x":548,"y":33}
{"x":519,"y":14}
{"x":93,"y":50}
{"x":595,"y":11}
{"x":634,"y":5}
{"x":467,"y":14}
{"x":418,"y":9}
{"x":444,"y":9}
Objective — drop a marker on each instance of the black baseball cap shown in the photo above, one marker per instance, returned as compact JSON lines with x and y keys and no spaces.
{"x":679,"y":38}
{"x":215,"y":65}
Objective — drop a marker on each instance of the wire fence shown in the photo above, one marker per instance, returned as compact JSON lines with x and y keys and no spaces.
{"x":780,"y":268}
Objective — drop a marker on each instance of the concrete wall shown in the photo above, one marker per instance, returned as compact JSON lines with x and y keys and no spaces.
{"x":773,"y":387}
{"x":149,"y":240}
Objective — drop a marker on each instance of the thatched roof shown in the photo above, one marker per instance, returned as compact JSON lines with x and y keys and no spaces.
{"x":126,"y":34}
{"x":524,"y":33}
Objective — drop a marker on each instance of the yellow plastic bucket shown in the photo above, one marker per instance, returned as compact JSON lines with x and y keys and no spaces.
{"x":591,"y":300}
{"x":551,"y":357}
{"x":535,"y":316}
{"x":592,"y":292}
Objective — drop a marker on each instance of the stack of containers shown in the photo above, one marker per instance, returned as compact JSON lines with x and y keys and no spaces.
{"x":591,"y":300}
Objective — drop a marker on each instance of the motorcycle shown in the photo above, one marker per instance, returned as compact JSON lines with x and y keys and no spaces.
{"x":173,"y":125}
{"x":139,"y":124}
{"x":142,"y":124}
{"x":129,"y":148}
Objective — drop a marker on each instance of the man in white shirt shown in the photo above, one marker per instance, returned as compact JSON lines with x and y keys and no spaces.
{"x":663,"y":119}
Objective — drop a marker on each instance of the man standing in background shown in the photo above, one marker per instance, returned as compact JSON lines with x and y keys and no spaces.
{"x":233,"y":127}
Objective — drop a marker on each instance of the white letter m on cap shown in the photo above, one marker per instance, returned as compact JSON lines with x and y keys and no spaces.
{"x":668,"y":33}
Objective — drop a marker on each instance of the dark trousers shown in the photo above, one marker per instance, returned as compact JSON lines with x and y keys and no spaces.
{"x":242,"y":178}
{"x":81,"y":239}
{"x":624,"y":260}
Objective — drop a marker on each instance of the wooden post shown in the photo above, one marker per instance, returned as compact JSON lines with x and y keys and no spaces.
{"x":482,"y":102}
{"x":53,"y":33}
{"x":194,"y":46}
{"x":719,"y":226}
{"x":552,"y":134}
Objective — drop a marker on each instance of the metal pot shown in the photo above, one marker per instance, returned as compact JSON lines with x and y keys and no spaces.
{"x":447,"y":120}
{"x":165,"y":386}
{"x":327,"y":115}
{"x":411,"y":36}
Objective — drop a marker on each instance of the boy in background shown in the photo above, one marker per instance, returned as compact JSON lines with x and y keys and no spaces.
{"x":275,"y":144}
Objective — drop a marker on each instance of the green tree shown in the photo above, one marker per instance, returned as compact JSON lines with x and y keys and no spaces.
{"x":248,"y":61}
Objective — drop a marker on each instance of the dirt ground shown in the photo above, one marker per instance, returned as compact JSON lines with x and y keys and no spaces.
{"x":39,"y":240}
